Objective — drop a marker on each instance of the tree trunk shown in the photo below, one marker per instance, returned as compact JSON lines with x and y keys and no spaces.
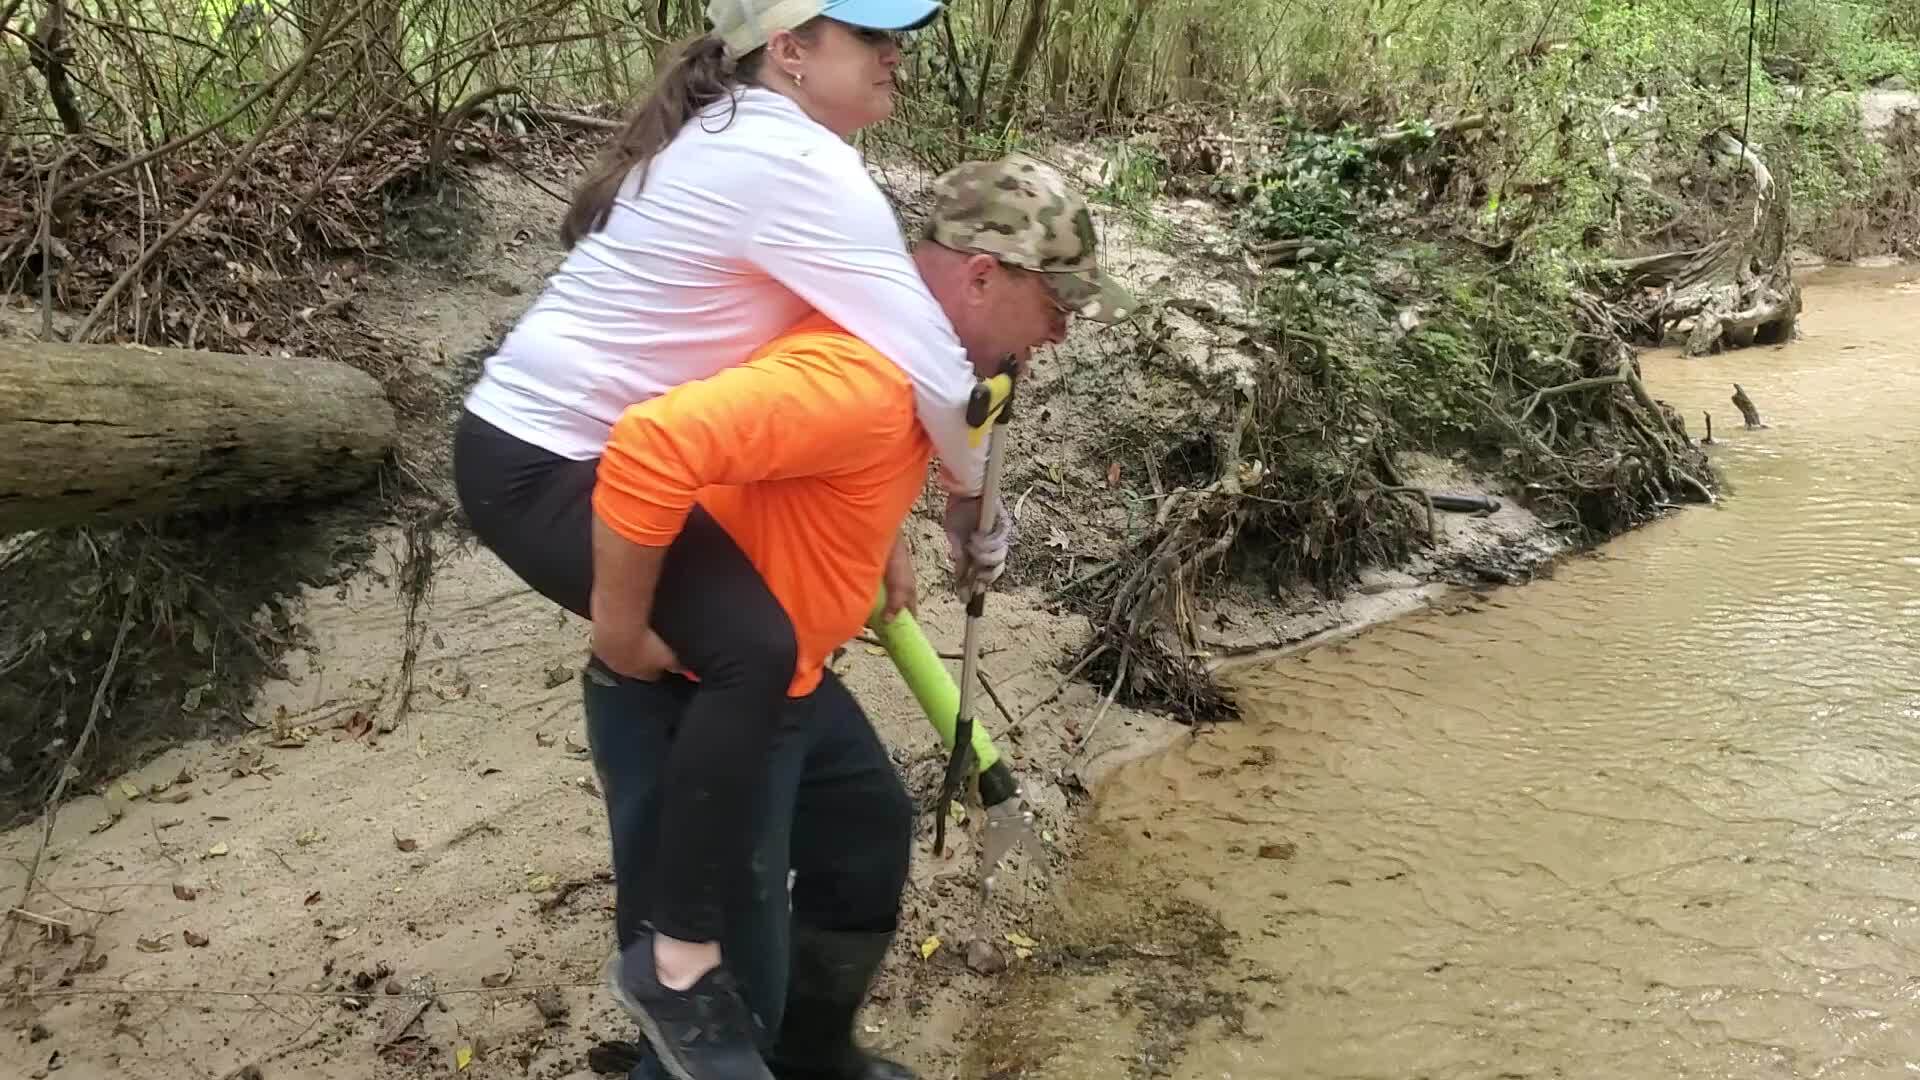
{"x":121,"y":432}
{"x":1110,"y":100}
{"x":50,"y":52}
{"x":1031,"y":31}
{"x":1060,"y":67}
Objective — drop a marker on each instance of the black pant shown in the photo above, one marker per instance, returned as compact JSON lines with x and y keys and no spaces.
{"x":532,"y":509}
{"x":834,"y":813}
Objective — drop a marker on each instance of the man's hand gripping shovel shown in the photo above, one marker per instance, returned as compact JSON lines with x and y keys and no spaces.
{"x":950,"y":708}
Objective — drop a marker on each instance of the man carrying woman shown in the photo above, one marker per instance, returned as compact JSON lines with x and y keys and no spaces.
{"x":729,"y":209}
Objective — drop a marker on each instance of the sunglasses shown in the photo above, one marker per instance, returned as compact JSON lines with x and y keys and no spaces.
{"x":879,"y":39}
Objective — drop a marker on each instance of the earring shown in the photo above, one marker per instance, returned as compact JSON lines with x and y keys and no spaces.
{"x":799,"y":77}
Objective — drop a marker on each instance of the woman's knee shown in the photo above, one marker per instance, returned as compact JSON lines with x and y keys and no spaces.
{"x":756,"y":657}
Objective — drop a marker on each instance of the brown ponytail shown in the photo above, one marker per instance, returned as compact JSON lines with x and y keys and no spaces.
{"x":699,"y":76}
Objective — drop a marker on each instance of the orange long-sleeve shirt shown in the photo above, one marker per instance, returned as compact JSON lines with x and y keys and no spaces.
{"x":809,"y":455}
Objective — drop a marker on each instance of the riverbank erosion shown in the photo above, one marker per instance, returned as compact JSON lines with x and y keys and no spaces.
{"x":1648,"y":817}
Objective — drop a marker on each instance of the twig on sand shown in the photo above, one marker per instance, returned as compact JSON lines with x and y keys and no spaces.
{"x":1119,"y":678}
{"x":997,"y":703}
{"x":71,"y":770}
{"x":1062,"y":685}
{"x":39,"y":920}
{"x":315,"y":995}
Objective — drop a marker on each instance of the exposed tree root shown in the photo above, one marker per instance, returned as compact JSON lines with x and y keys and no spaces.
{"x":1289,"y":491}
{"x":1738,"y":290}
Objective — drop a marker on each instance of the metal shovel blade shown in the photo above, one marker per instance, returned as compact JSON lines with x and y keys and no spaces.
{"x":1008,"y":823}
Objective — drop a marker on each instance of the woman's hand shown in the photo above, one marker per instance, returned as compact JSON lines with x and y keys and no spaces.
{"x":902,"y":589}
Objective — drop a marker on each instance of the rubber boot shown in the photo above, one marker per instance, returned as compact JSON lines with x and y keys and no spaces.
{"x":828,"y":981}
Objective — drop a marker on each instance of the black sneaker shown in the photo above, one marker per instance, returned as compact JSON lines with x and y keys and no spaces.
{"x":623,"y":1058}
{"x":705,"y":1032}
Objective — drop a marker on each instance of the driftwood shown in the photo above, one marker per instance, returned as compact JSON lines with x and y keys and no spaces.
{"x":119,"y":432}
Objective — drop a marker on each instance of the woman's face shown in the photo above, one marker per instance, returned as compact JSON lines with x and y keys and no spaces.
{"x":846,"y":76}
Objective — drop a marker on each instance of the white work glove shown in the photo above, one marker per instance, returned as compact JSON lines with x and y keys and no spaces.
{"x":978,"y":558}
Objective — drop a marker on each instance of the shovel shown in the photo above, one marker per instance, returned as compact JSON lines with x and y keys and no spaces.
{"x":1009,"y":820}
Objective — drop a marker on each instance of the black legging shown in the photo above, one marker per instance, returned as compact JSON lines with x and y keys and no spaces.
{"x":534,"y":510}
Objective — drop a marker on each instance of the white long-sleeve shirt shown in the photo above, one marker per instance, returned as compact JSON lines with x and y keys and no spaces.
{"x":743,"y":228}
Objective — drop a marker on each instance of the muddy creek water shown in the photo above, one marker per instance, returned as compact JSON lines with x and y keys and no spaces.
{"x":1656,"y":816}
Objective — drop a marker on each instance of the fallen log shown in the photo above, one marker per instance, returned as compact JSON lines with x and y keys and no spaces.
{"x":113,"y":432}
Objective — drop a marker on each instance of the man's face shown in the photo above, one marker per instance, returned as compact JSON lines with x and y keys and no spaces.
{"x":1015,"y":312}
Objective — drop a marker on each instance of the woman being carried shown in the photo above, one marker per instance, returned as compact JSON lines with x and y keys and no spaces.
{"x":729,"y":207}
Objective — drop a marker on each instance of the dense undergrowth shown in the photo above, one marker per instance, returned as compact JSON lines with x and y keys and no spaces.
{"x":1374,"y":321}
{"x":1427,"y":195}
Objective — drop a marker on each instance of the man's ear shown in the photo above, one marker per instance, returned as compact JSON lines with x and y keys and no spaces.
{"x":979,"y":278}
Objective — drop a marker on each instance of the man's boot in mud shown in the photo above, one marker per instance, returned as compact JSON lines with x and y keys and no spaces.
{"x":827,"y":983}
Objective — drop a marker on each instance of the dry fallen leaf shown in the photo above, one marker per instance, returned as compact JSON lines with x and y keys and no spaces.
{"x":184,"y":892}
{"x":544,"y":738}
{"x":929,"y":946}
{"x":91,"y":964}
{"x":405,"y":843}
{"x":217,"y":850}
{"x":587,"y":785}
{"x":574,"y":746}
{"x":462,"y":1058}
{"x":1020,"y":940}
{"x":1113,"y":475}
{"x":496,"y":980}
{"x":308,"y":838}
{"x":174,"y":798}
{"x":342,"y":933}
{"x":539,"y":883}
{"x":131,"y":791}
{"x":105,"y":823}
{"x":153,"y":944}
{"x":198,"y":941}
{"x":313,"y":898}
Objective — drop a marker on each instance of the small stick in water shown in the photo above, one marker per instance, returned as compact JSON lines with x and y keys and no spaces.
{"x":1747,"y":410}
{"x":1708,"y":441}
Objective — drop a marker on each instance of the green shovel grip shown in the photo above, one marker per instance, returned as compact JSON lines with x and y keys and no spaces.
{"x":932,"y":684}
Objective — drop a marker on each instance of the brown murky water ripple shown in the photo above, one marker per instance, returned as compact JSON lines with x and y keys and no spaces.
{"x":1658,"y":816}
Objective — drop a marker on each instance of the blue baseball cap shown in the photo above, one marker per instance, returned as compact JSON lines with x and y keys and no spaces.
{"x":746,"y":25}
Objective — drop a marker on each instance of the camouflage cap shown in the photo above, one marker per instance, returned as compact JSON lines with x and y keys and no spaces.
{"x":1026,"y":215}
